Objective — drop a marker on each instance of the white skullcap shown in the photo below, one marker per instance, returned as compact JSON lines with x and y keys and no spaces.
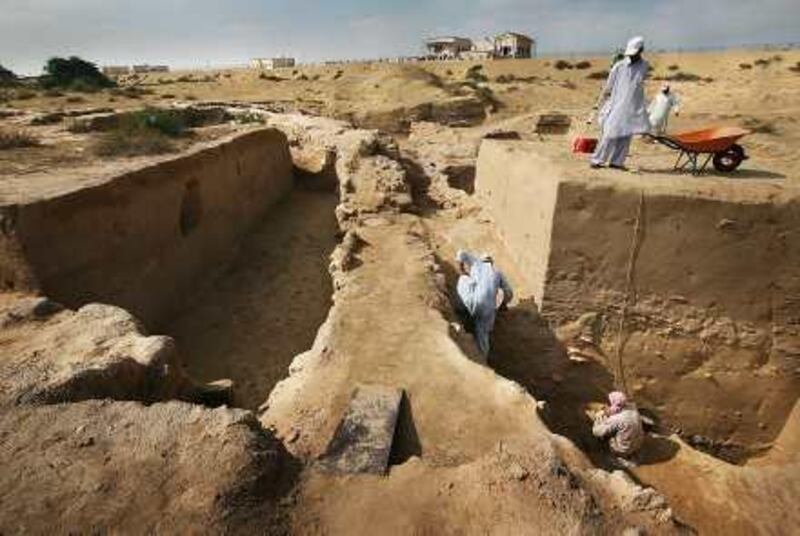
{"x":635,"y":46}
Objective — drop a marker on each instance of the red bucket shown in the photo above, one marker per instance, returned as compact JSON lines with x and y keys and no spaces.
{"x":584,"y":145}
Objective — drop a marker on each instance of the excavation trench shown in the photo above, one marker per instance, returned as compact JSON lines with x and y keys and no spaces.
{"x":248,"y":323}
{"x":700,"y":358}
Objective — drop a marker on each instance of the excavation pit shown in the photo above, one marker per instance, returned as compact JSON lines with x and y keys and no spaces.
{"x":698,"y":272}
{"x":215,"y":248}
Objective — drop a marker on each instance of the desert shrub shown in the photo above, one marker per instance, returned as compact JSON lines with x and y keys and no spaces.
{"x":167,"y":96}
{"x":190,"y":97}
{"x":745,"y":66}
{"x":7,"y":77}
{"x":145,"y":132}
{"x":24,"y":94}
{"x":680,"y":76}
{"x":270,"y":77}
{"x":505,"y":79}
{"x":761,"y":62}
{"x":777,"y":57}
{"x":338,"y":74}
{"x":598,"y":75}
{"x":164,"y":81}
{"x":75,"y":99}
{"x":562,"y":64}
{"x":673,"y":67}
{"x":15,"y":139}
{"x":74,"y":73}
{"x":759,"y":125}
{"x":582,"y":65}
{"x":250,"y":117}
{"x":475,"y":74}
{"x":53,"y":93}
{"x":795,"y":68}
{"x":131,"y":92}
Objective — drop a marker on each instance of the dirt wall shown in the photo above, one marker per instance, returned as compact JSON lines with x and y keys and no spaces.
{"x":711,"y":339}
{"x":143,"y":238}
{"x":522,"y":207}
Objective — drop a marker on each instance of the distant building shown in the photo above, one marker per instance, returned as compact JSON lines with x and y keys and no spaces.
{"x":116,"y":70}
{"x":271,"y":63}
{"x":139,"y":69}
{"x":482,"y":49}
{"x":514,"y":45}
{"x":448,"y":48}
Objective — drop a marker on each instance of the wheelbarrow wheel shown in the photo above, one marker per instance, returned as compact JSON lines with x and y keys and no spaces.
{"x":729,"y":159}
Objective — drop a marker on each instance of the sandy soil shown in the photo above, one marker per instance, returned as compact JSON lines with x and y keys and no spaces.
{"x":764,"y":99}
{"x":250,"y":322}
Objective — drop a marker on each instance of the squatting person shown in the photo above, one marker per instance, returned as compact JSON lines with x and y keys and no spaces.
{"x":478,"y":289}
{"x":623,"y":112}
{"x":620,"y":424}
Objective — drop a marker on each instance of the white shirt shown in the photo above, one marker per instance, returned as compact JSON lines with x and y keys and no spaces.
{"x":659,"y":110}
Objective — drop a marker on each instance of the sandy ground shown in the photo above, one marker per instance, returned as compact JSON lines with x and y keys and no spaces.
{"x":250,"y":322}
{"x":763,"y":98}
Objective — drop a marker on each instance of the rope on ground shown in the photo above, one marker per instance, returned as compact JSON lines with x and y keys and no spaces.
{"x":636,"y":244}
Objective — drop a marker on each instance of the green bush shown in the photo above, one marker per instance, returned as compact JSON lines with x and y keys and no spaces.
{"x":7,"y":78}
{"x":145,"y":132}
{"x":74,"y":73}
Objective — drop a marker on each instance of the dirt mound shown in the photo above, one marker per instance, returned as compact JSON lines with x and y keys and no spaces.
{"x":52,"y":355}
{"x":122,"y":467}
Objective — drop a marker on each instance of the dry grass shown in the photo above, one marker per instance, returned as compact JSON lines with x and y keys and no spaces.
{"x":17,"y":139}
{"x":146,"y":132}
{"x":134,"y":143}
{"x":598,"y":75}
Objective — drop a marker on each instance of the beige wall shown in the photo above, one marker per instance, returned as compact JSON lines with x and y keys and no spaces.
{"x":715,"y":318}
{"x":142,"y":239}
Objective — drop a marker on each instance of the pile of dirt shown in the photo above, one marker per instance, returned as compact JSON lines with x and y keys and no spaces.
{"x":106,"y":466}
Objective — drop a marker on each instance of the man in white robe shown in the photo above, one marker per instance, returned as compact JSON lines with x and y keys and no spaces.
{"x":623,"y":113}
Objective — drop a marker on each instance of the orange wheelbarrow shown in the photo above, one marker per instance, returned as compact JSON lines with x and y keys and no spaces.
{"x":716,"y":144}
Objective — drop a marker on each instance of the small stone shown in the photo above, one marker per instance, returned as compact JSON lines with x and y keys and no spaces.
{"x":518,"y":472}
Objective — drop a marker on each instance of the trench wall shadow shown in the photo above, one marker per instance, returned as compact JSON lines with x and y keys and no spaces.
{"x":739,"y":174}
{"x":525,"y":349}
{"x":405,"y":443}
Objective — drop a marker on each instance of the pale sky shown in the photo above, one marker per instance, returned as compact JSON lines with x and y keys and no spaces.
{"x":195,"y":33}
